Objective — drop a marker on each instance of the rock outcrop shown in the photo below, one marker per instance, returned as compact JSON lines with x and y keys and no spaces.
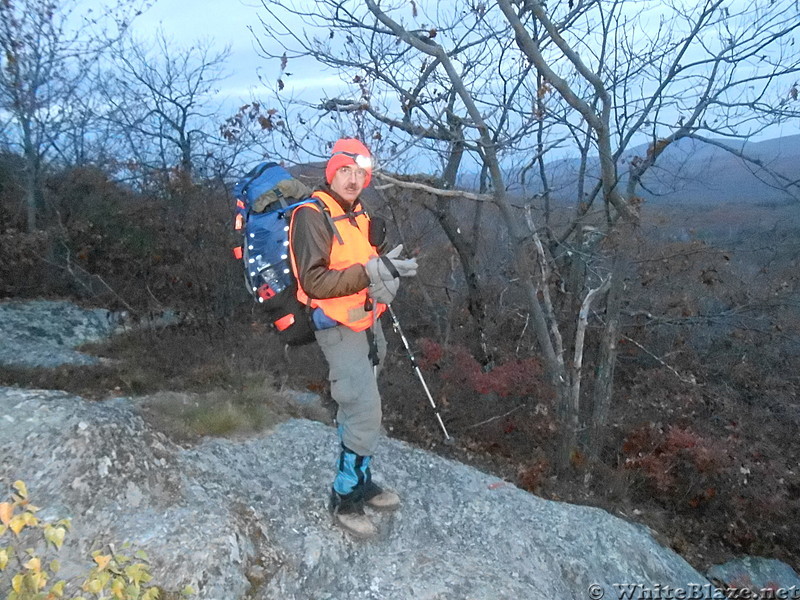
{"x":762,"y":577}
{"x":238,"y":519}
{"x":44,"y":333}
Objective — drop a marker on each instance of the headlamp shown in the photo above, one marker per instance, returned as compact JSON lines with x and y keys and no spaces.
{"x":362,"y":162}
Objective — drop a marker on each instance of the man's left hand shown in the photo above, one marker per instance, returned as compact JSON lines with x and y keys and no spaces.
{"x":384,"y":291}
{"x":390,"y":266}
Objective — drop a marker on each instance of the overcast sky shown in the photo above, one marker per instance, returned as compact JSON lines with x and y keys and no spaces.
{"x":224,"y":22}
{"x":227,"y":22}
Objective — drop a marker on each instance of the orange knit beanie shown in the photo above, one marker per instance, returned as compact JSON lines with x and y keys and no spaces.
{"x":345,"y":152}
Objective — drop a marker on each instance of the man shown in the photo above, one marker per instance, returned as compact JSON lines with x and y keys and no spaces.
{"x":342,"y":275}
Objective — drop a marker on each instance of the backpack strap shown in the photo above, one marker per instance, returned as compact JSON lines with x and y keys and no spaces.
{"x":279,"y":195}
{"x":329,"y":221}
{"x":324,"y":209}
{"x":351,"y":215}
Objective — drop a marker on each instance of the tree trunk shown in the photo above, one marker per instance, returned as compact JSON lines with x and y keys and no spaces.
{"x":576,"y":280}
{"x":31,"y":177}
{"x":463,"y":247}
{"x":451,"y":227}
{"x":571,"y":398}
{"x":606,"y":361}
{"x":30,"y":205}
{"x":568,"y":433}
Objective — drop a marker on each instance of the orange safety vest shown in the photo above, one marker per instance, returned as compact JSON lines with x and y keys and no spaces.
{"x":350,"y":248}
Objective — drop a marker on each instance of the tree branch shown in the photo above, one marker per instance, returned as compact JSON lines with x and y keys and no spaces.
{"x":413,"y":185}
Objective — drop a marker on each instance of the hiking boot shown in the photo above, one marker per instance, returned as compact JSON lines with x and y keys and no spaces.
{"x":348,"y":513}
{"x":379,"y":499}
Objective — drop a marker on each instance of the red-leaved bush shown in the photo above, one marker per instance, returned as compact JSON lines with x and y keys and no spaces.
{"x":456,"y":365}
{"x":677,"y":463}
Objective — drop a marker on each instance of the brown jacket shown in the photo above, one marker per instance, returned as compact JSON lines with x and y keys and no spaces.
{"x":311,"y":244}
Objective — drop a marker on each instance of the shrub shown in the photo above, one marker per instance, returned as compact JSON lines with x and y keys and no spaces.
{"x":28,"y":574}
{"x":678,"y":464}
{"x":509,"y":378}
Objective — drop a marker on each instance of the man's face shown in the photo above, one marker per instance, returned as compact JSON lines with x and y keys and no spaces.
{"x":348,"y":182}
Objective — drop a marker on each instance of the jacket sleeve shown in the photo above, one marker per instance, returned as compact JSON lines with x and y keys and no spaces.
{"x":312,"y":240}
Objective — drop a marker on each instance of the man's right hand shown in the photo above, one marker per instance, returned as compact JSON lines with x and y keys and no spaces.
{"x":390,"y":266}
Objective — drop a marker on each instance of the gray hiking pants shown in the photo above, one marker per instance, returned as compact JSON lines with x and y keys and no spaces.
{"x":353,"y":384}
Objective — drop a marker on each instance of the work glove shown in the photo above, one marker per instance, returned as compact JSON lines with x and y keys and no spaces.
{"x":390,"y":266}
{"x":384,"y":291}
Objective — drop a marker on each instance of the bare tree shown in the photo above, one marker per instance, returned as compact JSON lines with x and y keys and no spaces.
{"x":161,"y":102}
{"x":508,"y":82}
{"x":48,"y":48}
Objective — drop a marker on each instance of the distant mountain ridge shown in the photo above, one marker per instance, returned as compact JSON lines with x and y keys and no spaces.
{"x":689,"y":171}
{"x":694,"y":171}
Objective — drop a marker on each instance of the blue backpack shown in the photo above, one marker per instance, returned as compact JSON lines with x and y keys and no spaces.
{"x":265,"y":200}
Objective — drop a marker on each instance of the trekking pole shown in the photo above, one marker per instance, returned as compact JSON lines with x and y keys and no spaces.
{"x":399,"y":330}
{"x":375,"y":364}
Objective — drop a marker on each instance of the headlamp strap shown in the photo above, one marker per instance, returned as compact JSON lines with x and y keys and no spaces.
{"x":362,"y":162}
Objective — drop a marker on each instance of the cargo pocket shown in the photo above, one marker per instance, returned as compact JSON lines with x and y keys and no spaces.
{"x":328,"y":338}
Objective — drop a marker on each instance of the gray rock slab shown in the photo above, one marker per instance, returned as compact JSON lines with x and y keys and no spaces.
{"x":44,"y":333}
{"x":238,"y":519}
{"x":756,"y":573}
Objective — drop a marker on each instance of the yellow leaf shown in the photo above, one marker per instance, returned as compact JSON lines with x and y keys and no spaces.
{"x":16,"y":583}
{"x":58,"y":589}
{"x":151,"y":594}
{"x":3,"y":529}
{"x":102,"y":561}
{"x":39,"y":580}
{"x":187,"y":591}
{"x":33,"y":564}
{"x":118,"y":588}
{"x":21,"y":488}
{"x":17,"y":524}
{"x":121,"y":559}
{"x":30,"y":520}
{"x":3,"y":558}
{"x":55,"y":535}
{"x":6,"y":512}
{"x":55,"y":566}
{"x":93,"y":586}
{"x":134,"y":573}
